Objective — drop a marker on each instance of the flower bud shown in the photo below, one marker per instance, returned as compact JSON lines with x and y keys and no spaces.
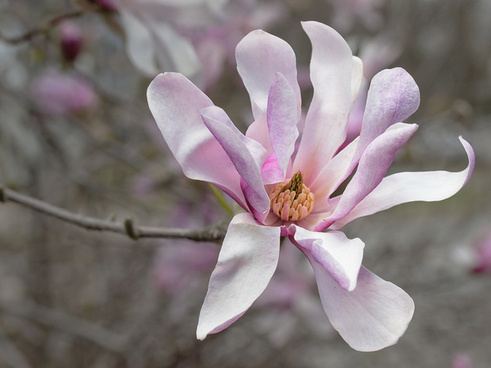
{"x":71,"y":40}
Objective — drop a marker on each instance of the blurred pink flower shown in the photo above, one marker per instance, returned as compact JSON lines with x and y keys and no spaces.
{"x":192,"y":37}
{"x":58,"y":94}
{"x":482,"y":254}
{"x":179,"y":265}
{"x":288,"y":191}
{"x":462,"y":360}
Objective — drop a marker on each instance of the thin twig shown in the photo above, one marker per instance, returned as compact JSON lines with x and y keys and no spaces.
{"x":43,"y":28}
{"x":214,"y":233}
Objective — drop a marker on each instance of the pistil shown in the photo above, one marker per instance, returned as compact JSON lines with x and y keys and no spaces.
{"x":292,"y":200}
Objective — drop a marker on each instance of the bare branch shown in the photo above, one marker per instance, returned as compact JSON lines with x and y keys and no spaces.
{"x":41,"y":29}
{"x":214,"y":233}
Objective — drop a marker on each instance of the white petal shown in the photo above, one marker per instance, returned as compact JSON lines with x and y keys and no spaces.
{"x":371,"y":317}
{"x":339,"y":256}
{"x":406,"y":187}
{"x":246,"y":263}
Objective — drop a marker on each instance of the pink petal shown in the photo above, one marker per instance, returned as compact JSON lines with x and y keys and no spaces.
{"x":393,"y":97}
{"x":282,"y":121}
{"x":373,"y":166}
{"x":331,"y":176}
{"x":371,"y":317}
{"x":176,"y":105}
{"x":246,"y":263}
{"x":339,"y":256}
{"x":260,"y":56}
{"x":246,"y":154}
{"x":412,"y":186}
{"x":331,"y":70}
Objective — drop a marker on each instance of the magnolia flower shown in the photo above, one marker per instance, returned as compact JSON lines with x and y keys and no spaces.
{"x":287,"y":189}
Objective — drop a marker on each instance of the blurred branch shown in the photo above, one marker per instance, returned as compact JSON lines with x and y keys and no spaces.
{"x":9,"y":353}
{"x":213,"y":233}
{"x":43,"y":28}
{"x":69,"y":324}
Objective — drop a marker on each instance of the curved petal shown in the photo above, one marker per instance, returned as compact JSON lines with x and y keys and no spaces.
{"x":356,"y":77}
{"x":176,"y":105}
{"x":173,"y":51}
{"x":282,"y":121}
{"x":331,"y":176}
{"x":373,"y":166}
{"x":331,"y":69}
{"x":371,"y":317}
{"x":246,"y":154}
{"x":246,"y":263}
{"x":339,"y":256}
{"x":139,"y":44}
{"x":393,"y":96}
{"x":260,"y":56}
{"x":406,"y":187}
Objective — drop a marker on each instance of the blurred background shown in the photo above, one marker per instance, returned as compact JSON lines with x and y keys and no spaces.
{"x":75,"y":131}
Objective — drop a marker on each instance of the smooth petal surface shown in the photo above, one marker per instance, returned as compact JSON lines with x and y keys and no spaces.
{"x":246,"y":263}
{"x":331,"y":176}
{"x":139,"y":44}
{"x":372,"y":167}
{"x":406,"y":187}
{"x":260,"y":56}
{"x":282,"y":121}
{"x":393,"y":96}
{"x":371,"y":317}
{"x":176,"y":105}
{"x":246,"y":154}
{"x":339,"y":256}
{"x":331,"y":69}
{"x":356,"y":77}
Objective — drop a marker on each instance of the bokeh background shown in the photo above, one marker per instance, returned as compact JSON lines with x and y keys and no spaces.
{"x":75,"y":131}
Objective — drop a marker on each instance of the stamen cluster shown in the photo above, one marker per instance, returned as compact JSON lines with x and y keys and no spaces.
{"x":292,"y":200}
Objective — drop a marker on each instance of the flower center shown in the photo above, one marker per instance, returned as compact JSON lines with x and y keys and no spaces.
{"x":291,"y":200}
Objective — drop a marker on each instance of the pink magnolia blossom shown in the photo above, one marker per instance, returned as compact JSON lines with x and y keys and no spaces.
{"x":287,"y":189}
{"x":59,"y":94}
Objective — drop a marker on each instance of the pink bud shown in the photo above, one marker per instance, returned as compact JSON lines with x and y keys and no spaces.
{"x":106,"y":4}
{"x":71,"y":40}
{"x":483,"y":255}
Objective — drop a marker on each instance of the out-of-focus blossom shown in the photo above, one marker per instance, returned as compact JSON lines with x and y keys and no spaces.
{"x":153,"y":42}
{"x":192,"y":37}
{"x":347,"y":13}
{"x":482,"y":255}
{"x":58,"y":94}
{"x":462,"y":360}
{"x":178,"y":266}
{"x":288,"y":191}
{"x":71,"y":41}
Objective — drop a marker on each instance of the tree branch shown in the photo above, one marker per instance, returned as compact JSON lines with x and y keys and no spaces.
{"x":213,"y":233}
{"x":41,"y":29}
